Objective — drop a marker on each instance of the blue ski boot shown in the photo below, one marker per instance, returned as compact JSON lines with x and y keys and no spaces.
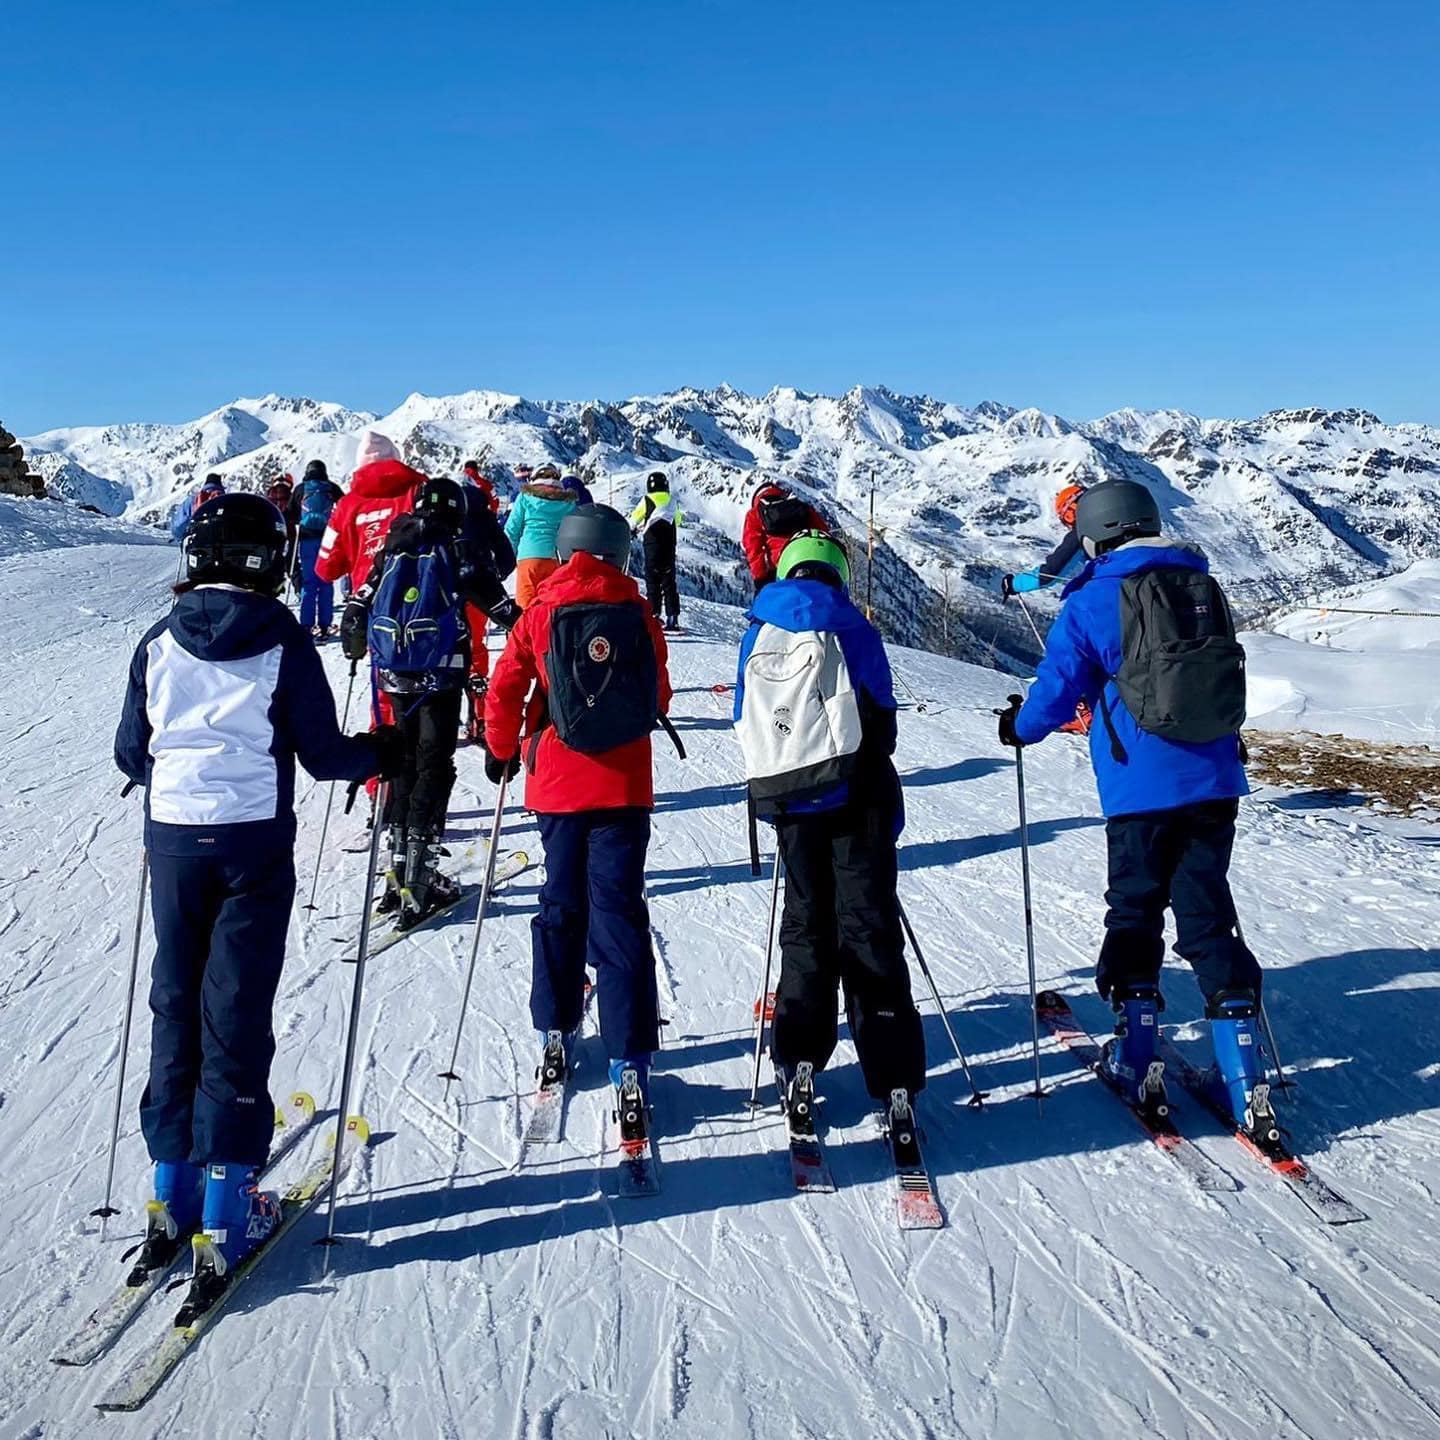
{"x":631,"y":1078}
{"x":237,"y":1217}
{"x":640,"y":1064}
{"x":1240,"y":1066}
{"x":170,"y":1217}
{"x":1130,"y":1057}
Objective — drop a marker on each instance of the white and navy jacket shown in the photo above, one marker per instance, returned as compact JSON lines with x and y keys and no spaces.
{"x":225,"y":693}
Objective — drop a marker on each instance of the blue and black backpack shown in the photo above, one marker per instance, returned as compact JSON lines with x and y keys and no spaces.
{"x":317,"y":500}
{"x":415,"y":617}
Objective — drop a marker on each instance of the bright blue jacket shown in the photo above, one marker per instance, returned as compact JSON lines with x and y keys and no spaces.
{"x":799,"y":605}
{"x":1081,"y":654}
{"x":535,"y":520}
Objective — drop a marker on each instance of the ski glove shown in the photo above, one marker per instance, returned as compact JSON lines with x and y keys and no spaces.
{"x":353,"y":630}
{"x":390,"y":751}
{"x":497,"y":769}
{"x":1007,"y":723}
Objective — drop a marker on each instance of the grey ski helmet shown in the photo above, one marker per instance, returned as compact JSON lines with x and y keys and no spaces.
{"x":1113,"y":512}
{"x":597,"y":530}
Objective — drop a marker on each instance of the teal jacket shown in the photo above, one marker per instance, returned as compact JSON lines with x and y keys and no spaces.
{"x":534,"y":519}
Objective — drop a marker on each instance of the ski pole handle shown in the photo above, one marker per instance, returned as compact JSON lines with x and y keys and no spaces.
{"x":127,"y":787}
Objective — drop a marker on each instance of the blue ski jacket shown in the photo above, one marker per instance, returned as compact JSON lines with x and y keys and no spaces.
{"x":1082,"y":653}
{"x":799,"y":605}
{"x":225,"y":693}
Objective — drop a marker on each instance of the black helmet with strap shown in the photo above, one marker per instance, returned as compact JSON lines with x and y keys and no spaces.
{"x":237,"y":539}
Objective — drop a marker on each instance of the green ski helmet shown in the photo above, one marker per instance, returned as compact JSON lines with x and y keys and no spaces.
{"x":807,"y":548}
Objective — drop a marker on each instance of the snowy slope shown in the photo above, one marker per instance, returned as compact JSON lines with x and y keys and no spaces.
{"x":1081,"y":1287}
{"x":1362,"y":661}
{"x":1286,"y":505}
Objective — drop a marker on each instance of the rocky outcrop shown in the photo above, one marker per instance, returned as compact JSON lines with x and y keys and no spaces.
{"x":15,"y":475}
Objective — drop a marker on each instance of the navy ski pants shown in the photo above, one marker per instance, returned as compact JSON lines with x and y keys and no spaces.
{"x":592,"y":912}
{"x":1178,"y":859}
{"x":220,"y":930}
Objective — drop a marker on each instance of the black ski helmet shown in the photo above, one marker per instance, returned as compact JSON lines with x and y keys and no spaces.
{"x":656,"y":483}
{"x":597,"y":530}
{"x":1113,"y":512}
{"x":441,"y":499}
{"x":237,"y":539}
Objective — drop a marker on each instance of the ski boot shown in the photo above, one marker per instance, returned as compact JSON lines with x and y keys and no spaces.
{"x":900,"y":1130}
{"x":238,"y":1218}
{"x":1130,"y":1057}
{"x":1240,"y":1068}
{"x":424,"y":890}
{"x":555,"y":1048}
{"x":170,"y":1217}
{"x":797,"y":1095}
{"x":394,"y":876}
{"x":672,"y":623}
{"x":630,"y":1077}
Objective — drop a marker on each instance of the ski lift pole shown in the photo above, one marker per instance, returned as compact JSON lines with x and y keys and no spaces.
{"x":765,"y":983}
{"x":106,"y":1210}
{"x":330,"y":798}
{"x":977,"y":1095}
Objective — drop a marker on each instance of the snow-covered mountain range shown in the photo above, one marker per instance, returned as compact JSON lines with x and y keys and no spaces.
{"x":1286,"y":505}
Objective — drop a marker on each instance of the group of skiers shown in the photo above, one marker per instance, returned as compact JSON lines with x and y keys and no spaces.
{"x":226,"y":694}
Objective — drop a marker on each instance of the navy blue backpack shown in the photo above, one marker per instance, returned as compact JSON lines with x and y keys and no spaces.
{"x":415,"y":618}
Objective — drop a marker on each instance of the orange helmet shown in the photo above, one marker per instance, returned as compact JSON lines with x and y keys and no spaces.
{"x":1066,"y":501}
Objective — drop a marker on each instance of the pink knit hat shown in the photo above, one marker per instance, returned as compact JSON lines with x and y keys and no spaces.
{"x":375,"y":446}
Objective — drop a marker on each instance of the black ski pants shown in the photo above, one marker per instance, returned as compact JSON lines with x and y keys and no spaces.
{"x":661,"y":588}
{"x":420,"y":794}
{"x":220,"y":944}
{"x":841,"y":926}
{"x":1177,"y":859}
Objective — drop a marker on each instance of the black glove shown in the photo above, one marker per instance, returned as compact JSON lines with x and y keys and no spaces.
{"x":497,"y":770}
{"x":389,"y":751}
{"x":1007,"y":723}
{"x":1007,"y":586}
{"x":353,"y":631}
{"x":505,"y":613}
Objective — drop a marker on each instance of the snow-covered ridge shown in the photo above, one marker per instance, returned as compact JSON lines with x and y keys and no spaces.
{"x":1286,"y":504}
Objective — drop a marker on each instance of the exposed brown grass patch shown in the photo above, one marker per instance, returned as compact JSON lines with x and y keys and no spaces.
{"x":1400,"y":778}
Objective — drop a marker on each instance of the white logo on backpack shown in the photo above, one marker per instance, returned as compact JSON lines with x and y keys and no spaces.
{"x":799,"y":726}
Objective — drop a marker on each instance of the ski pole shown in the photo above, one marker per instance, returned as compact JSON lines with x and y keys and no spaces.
{"x":765,"y":984}
{"x":1282,"y":1081}
{"x":1034,"y":628}
{"x":382,"y":794}
{"x":449,"y":1074}
{"x":107,"y":1209}
{"x":330,"y":798}
{"x":977,"y":1095}
{"x":1038,"y":1092}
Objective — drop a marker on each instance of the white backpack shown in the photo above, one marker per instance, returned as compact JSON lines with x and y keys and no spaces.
{"x":799,"y":726}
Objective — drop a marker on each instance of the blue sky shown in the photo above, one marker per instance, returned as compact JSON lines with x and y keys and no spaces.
{"x":1226,"y":207}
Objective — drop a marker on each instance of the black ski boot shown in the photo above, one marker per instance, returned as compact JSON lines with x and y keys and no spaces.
{"x":162,"y":1243}
{"x":900,"y":1130}
{"x":798,"y":1097}
{"x":394,"y":876}
{"x":425,"y":890}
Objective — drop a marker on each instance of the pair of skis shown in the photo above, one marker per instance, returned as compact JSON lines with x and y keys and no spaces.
{"x":147,"y":1371}
{"x":1321,"y":1199}
{"x":917,"y":1207}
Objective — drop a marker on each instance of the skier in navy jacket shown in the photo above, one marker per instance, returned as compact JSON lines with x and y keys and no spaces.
{"x":1170,"y":806}
{"x":225,"y":694}
{"x":841,"y":921}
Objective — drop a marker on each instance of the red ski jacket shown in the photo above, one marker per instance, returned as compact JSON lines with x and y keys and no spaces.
{"x":559,"y":780}
{"x":362,"y":518}
{"x":762,"y":551}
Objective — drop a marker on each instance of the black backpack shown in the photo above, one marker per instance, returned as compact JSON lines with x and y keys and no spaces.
{"x":603,"y":678}
{"x":784,"y":517}
{"x":1182,"y":675}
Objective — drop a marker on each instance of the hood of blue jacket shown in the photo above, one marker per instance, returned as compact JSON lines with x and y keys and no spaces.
{"x":1136,"y":557}
{"x":806,"y":605}
{"x":217,"y":623}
